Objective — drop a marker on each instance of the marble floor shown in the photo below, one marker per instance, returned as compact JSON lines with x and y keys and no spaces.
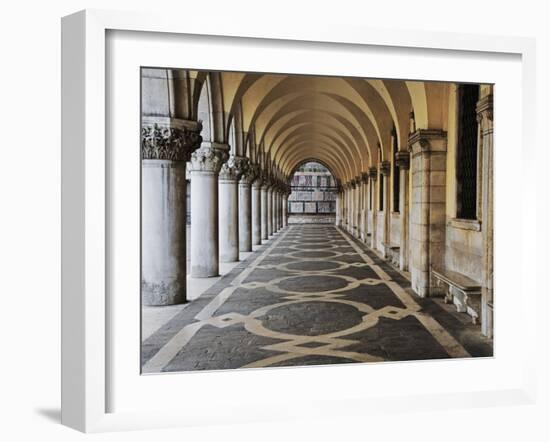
{"x":311,"y":295}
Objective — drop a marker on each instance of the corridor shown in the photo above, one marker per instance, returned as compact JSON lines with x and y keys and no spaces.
{"x":311,"y":295}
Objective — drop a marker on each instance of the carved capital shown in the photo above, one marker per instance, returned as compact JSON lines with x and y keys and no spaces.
{"x":365,"y":177}
{"x":403,"y":159}
{"x":373,"y":173}
{"x":169,"y":139}
{"x":426,"y":140}
{"x":233,"y":168}
{"x":259,"y":176}
{"x":385,"y":168}
{"x":250,"y":174}
{"x":209,"y":157}
{"x":484,"y":110}
{"x":267,"y":183}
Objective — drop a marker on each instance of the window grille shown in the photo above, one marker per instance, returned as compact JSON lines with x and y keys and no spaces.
{"x":396,"y":177}
{"x":381,"y":194}
{"x":466,"y":160}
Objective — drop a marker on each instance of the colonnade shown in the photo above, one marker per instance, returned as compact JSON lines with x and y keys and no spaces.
{"x":420,"y":236}
{"x":234,"y":206}
{"x":412,"y":163}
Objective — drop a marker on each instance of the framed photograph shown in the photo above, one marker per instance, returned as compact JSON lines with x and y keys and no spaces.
{"x":286,"y":222}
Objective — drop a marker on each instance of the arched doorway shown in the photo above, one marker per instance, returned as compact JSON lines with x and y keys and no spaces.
{"x":313,"y":194}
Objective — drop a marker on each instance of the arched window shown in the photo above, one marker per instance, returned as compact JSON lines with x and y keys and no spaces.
{"x":466,"y":152}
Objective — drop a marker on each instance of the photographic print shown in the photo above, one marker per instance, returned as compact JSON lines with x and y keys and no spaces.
{"x":299,"y":220}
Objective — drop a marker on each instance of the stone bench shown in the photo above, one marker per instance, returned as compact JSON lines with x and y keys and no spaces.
{"x":392,"y":252}
{"x":463,"y":292}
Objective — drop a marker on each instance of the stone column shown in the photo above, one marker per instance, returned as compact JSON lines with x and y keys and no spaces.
{"x":358,"y":193}
{"x":285,"y":209}
{"x":282,"y":197}
{"x":270,"y":211}
{"x":279,"y":210}
{"x":427,"y":235}
{"x":264,"y":210}
{"x":257,"y":210}
{"x":352,"y":207}
{"x":245,"y":209}
{"x":485,"y":121}
{"x":228,"y":180}
{"x":165,"y":149}
{"x":363,"y":204}
{"x":373,"y":174}
{"x":205,"y":166}
{"x":275,"y":210}
{"x":402,"y":160}
{"x":345,"y":200}
{"x":338,"y":219}
{"x":385,"y":172}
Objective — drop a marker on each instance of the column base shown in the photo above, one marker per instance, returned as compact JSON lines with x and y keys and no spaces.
{"x":163,"y":293}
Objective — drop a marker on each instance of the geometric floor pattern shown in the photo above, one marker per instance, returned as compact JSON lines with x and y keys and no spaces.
{"x":313,"y":295}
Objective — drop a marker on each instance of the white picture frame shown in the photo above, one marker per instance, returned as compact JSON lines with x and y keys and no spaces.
{"x":86,"y":204}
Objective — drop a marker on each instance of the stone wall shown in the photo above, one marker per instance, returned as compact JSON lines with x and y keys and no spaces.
{"x":395,"y":229}
{"x":463,"y":248}
{"x":380,"y":231}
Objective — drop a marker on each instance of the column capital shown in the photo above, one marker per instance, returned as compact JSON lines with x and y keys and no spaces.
{"x":385,"y":168}
{"x":233,"y":168}
{"x":428,"y":140}
{"x":267,"y":183}
{"x":169,"y":138}
{"x":484,"y":110}
{"x":209,"y":157}
{"x":373,"y":173}
{"x":358,"y":180}
{"x":365,"y":177}
{"x":403,"y":159}
{"x":250,"y":175}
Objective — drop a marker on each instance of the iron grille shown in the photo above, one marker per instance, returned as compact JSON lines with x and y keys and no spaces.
{"x":466,"y":167}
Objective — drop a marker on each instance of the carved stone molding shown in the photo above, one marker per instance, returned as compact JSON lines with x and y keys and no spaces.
{"x":385,"y":168}
{"x":267,"y":181}
{"x":259,"y":177}
{"x":484,"y":109}
{"x":233,"y":168}
{"x":250,"y":174}
{"x":169,"y":139}
{"x":209,"y":158}
{"x":373,"y":173}
{"x":403,"y":159}
{"x":426,"y":140}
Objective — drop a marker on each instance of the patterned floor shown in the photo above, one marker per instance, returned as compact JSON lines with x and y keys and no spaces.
{"x":312,"y":295}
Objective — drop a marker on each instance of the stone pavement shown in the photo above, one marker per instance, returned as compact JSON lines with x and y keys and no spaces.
{"x":311,"y":295}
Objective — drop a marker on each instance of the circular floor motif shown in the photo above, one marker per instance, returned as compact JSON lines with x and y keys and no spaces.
{"x":312,"y":265}
{"x":316,"y":246}
{"x":319,"y":240}
{"x":311,"y":318}
{"x":312,"y":284}
{"x":314,"y":254}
